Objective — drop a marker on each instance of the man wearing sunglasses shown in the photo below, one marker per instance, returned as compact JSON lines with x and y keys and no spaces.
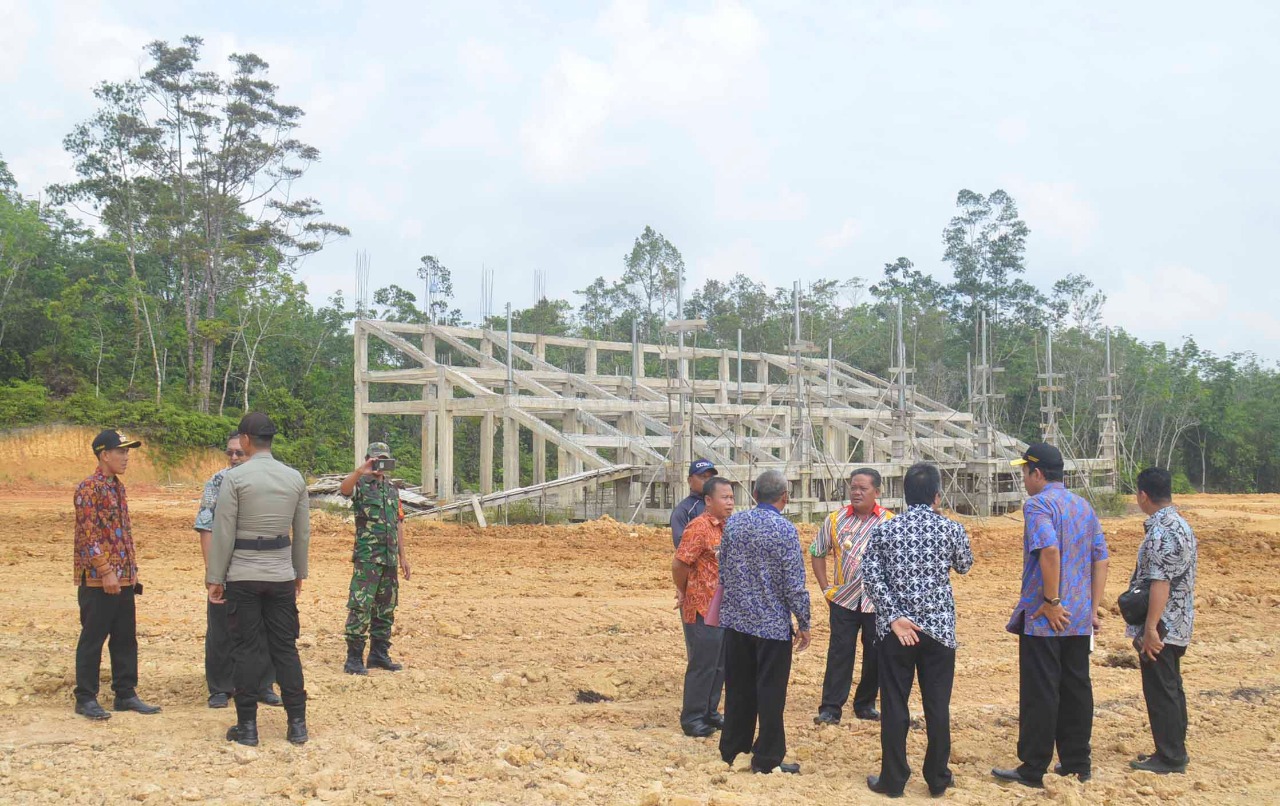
{"x":217,"y":636}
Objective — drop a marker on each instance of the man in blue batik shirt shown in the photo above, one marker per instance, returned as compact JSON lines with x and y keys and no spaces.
{"x":1064,"y":574}
{"x":762,"y":571}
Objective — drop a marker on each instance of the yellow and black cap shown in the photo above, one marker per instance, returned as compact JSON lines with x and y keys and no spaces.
{"x":1041,"y":456}
{"x":112,"y":438}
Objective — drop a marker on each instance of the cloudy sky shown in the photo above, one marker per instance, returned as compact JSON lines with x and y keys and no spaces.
{"x":783,"y":140}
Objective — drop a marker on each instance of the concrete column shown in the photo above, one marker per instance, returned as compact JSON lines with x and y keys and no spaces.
{"x":486,"y":453}
{"x":510,"y":454}
{"x":593,"y":355}
{"x":539,"y":459}
{"x":722,"y":394}
{"x":361,"y":393}
{"x":444,"y":438}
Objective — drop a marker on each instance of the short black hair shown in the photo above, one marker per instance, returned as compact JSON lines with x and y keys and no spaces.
{"x":921,"y":484}
{"x":1157,"y":483}
{"x":870,"y":473}
{"x":709,"y":486}
{"x":1049,"y":475}
{"x":260,"y":443}
{"x":233,"y":435}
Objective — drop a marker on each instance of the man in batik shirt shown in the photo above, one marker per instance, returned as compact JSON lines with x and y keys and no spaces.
{"x":1064,"y":574}
{"x":106,"y":576}
{"x":1167,"y":559}
{"x":696,"y":572}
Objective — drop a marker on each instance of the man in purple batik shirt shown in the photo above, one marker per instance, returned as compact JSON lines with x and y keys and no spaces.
{"x":1064,"y":574}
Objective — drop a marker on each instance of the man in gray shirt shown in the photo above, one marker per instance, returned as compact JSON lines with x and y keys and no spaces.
{"x":258,"y":570}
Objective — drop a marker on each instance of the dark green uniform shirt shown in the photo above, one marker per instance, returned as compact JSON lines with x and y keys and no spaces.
{"x":377,"y":509}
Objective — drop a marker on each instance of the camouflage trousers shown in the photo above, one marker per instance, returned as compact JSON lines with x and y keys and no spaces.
{"x":375,"y":591}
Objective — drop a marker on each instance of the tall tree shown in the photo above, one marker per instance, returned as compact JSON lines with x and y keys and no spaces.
{"x":653,"y":268}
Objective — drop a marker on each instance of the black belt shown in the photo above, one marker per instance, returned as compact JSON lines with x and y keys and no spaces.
{"x":262,"y":543}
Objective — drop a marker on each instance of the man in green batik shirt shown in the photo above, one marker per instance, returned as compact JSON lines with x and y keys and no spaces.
{"x":379,"y":548}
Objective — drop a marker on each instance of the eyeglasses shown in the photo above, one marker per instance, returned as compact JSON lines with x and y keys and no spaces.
{"x":234,"y":454}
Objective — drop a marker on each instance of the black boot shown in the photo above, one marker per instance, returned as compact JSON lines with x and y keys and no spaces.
{"x":355,"y":657}
{"x":378,"y":657}
{"x":244,"y":732}
{"x":297,"y":730}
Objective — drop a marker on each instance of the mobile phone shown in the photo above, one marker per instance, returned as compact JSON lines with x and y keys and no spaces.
{"x":137,"y":589}
{"x":384,"y":464}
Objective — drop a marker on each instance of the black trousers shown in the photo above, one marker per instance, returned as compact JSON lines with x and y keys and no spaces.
{"x":104,"y":615}
{"x":218,"y":667}
{"x":842,"y":651}
{"x":1166,"y":703}
{"x":263,"y":617}
{"x":1055,"y":703}
{"x":935,"y":666}
{"x":704,"y":673}
{"x":756,"y":673}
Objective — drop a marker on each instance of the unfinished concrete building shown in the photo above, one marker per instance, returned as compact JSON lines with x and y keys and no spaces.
{"x":623,"y":434}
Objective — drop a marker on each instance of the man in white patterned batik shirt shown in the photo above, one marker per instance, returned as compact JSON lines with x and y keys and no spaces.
{"x":907,"y":569}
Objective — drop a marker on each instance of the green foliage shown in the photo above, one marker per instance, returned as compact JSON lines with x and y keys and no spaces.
{"x":23,"y":403}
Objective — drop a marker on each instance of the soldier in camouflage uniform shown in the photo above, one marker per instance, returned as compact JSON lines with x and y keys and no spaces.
{"x":379,"y":548}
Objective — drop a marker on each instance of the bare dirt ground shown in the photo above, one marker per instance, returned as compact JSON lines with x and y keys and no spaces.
{"x":500,"y":629}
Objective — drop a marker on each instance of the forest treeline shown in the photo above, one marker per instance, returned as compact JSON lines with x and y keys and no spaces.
{"x":158,"y":291}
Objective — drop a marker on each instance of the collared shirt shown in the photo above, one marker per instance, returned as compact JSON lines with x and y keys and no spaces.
{"x":852,"y":532}
{"x":209,"y":502}
{"x":261,"y":498}
{"x":684,"y":512}
{"x":104,"y":536}
{"x":1057,"y":517}
{"x":700,"y":550}
{"x":907,"y":569}
{"x":1168,"y":552}
{"x":378,"y":515}
{"x":762,"y":570}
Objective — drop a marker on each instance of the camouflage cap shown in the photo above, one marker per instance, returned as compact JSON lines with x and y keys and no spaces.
{"x":378,"y":450}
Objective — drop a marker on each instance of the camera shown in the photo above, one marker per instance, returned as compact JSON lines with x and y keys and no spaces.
{"x":384,"y":464}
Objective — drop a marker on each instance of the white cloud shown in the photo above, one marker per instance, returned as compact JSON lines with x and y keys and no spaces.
{"x":471,"y":128}
{"x":850,"y":230}
{"x":1170,"y":300}
{"x":1012,"y":130}
{"x":92,"y":47}
{"x":742,"y":256}
{"x":1056,"y":209}
{"x":18,"y":29}
{"x":922,"y":19}
{"x":485,"y":64}
{"x":37,"y":168}
{"x":673,"y":73}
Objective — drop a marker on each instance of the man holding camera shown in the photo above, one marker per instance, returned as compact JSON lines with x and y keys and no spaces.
{"x":379,"y":548}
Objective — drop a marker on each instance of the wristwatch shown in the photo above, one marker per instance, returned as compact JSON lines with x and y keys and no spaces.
{"x":1055,"y":601}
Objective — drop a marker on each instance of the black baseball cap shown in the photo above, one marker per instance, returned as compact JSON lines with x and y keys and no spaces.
{"x":698,"y":466}
{"x":112,"y":438}
{"x":257,"y":424}
{"x":1041,"y":455}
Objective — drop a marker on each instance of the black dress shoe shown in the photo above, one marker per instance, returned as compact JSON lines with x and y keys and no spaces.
{"x":826,"y":718}
{"x":92,"y":710}
{"x":873,"y":783}
{"x":219,"y":700}
{"x":790,"y":769}
{"x":269,"y":697}
{"x":297,"y":730}
{"x":869,"y":714}
{"x":1015,"y":775}
{"x":245,"y":733}
{"x":700,"y":730}
{"x":136,"y":705}
{"x":1157,"y":765}
{"x":938,"y":792}
{"x":717,"y":720}
{"x":1082,"y":775}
